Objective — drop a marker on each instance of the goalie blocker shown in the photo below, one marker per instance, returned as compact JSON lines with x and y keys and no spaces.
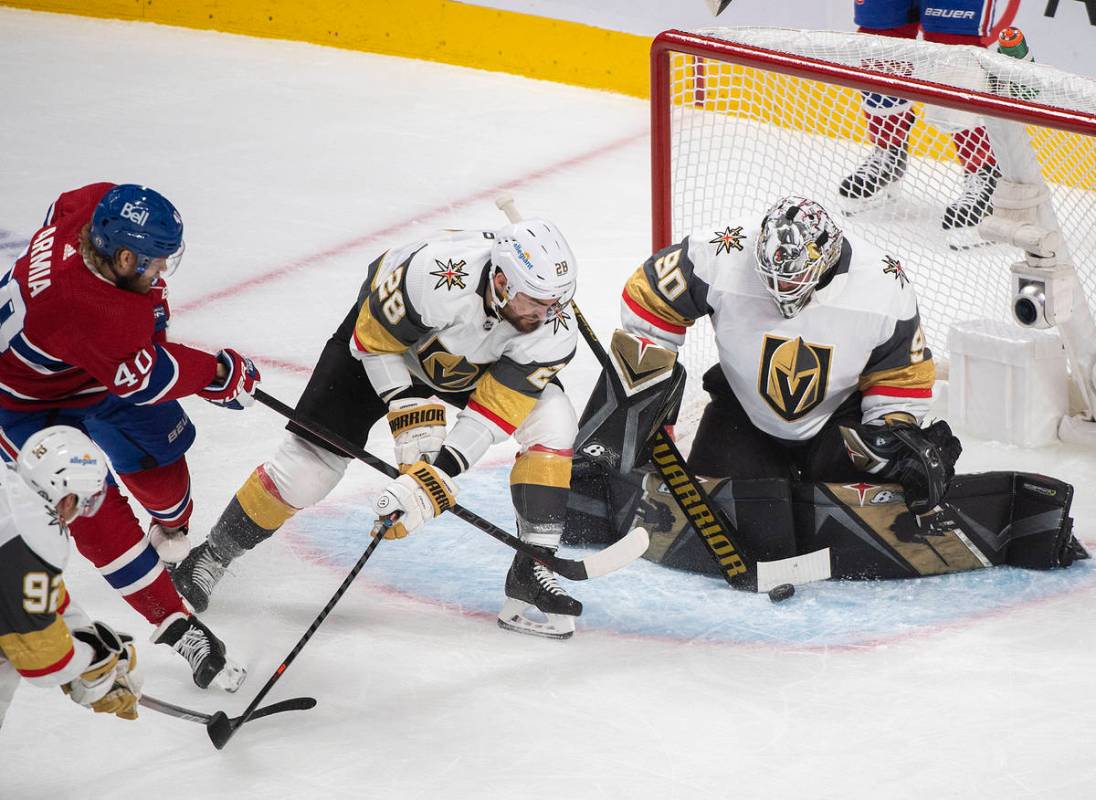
{"x":988,"y":519}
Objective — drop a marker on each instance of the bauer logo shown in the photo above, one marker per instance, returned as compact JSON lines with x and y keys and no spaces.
{"x":948,"y":13}
{"x":135,"y":214}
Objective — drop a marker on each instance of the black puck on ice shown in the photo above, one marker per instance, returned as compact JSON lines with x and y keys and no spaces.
{"x":782,"y":592}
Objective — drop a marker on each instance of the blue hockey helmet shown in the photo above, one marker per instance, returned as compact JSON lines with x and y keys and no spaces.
{"x":141,"y":220}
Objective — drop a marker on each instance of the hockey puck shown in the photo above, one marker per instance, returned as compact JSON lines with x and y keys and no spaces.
{"x":782,"y":592}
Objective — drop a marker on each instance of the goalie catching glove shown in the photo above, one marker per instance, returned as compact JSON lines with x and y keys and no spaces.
{"x":421,"y":493}
{"x":418,"y":430}
{"x":109,"y":685}
{"x":921,"y":460}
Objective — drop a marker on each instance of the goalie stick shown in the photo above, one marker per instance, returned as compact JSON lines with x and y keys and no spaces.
{"x":179,"y":712}
{"x":619,"y":554}
{"x":707,"y":519}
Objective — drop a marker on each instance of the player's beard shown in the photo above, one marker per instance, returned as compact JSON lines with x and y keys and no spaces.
{"x":523,"y":324}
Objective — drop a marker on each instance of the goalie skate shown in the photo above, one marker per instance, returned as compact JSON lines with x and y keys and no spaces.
{"x":535,"y":602}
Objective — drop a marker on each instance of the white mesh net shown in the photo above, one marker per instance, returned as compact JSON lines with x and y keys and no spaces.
{"x":741,"y":138}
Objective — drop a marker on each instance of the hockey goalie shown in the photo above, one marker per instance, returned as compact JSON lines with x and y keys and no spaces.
{"x":814,"y":437}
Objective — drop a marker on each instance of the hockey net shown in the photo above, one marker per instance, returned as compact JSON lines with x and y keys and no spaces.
{"x":744,"y":116}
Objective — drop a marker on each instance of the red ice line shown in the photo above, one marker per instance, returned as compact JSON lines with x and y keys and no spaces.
{"x":287,"y":268}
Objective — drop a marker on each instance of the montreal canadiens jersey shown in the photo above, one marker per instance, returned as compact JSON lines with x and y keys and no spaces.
{"x":70,"y":336}
{"x":424,"y":306}
{"x":36,"y":613}
{"x":860,"y":331}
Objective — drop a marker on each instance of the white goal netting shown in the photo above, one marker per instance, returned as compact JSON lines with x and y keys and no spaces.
{"x":740,"y":137}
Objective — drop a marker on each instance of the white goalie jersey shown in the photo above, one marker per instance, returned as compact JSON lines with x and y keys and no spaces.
{"x":861,"y":330}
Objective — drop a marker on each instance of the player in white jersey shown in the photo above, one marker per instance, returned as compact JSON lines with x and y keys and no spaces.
{"x":823,"y":370}
{"x":45,"y":638}
{"x":477,"y":318}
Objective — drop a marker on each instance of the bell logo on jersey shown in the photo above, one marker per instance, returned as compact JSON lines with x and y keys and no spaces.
{"x":135,"y":214}
{"x":448,"y":372}
{"x":794,"y":375}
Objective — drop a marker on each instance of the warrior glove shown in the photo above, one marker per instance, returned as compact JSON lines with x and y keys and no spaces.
{"x":421,"y":493}
{"x":418,"y":430}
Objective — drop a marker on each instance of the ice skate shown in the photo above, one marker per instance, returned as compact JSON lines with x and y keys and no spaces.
{"x":205,"y":653}
{"x":875,"y":181}
{"x":196,"y":576}
{"x":972,"y":206}
{"x":530,"y":585}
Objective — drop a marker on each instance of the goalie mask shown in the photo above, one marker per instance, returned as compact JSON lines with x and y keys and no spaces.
{"x":536,"y":259}
{"x":59,"y":461}
{"x":797,"y":245}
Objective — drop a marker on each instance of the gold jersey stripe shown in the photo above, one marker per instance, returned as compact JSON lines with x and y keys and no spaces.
{"x":542,"y":469}
{"x":500,"y":400}
{"x":37,"y":650}
{"x":265,"y":509}
{"x":912,"y":376}
{"x":371,"y":335}
{"x":640,"y":290}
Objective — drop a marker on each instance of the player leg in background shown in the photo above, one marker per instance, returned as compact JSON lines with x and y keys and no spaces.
{"x":890,"y":119}
{"x":539,"y":484}
{"x":302,"y":472}
{"x":970,"y":23}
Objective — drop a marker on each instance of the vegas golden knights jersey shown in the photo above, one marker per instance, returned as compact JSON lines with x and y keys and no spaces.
{"x":422,"y":314}
{"x":36,"y":613}
{"x":860,"y":331}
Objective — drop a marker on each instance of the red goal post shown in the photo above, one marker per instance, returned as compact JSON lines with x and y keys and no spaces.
{"x":741,"y":117}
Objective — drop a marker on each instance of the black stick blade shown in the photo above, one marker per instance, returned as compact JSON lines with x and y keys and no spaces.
{"x":220,"y":729}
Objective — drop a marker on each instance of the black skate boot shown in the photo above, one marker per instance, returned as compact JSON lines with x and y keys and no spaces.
{"x":974,"y":204}
{"x":205,"y":653}
{"x":532,"y":585}
{"x":876,"y":179}
{"x":198,"y":573}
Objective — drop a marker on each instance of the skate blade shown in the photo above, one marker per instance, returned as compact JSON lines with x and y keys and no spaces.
{"x":966,"y":239}
{"x":554,"y":626}
{"x":229,"y":679}
{"x":853,"y":206}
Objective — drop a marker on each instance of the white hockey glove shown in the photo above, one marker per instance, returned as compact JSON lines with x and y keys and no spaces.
{"x":109,"y":685}
{"x":418,"y":429}
{"x":421,"y":493}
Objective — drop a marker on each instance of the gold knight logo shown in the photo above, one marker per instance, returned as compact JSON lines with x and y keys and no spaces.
{"x":794,"y":375}
{"x":449,"y":372}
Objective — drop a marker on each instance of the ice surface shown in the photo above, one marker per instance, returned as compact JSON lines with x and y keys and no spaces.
{"x":294,"y":166}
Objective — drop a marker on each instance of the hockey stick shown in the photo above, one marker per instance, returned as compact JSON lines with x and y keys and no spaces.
{"x":172,"y":710}
{"x":221,"y":727}
{"x":708,"y":520}
{"x":619,"y":554}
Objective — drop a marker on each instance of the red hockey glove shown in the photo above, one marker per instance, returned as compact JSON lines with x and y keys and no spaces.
{"x":237,"y":390}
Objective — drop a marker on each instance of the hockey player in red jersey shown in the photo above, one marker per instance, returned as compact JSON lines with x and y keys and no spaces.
{"x":83,"y":342}
{"x":477,"y":318}
{"x":46,"y":638}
